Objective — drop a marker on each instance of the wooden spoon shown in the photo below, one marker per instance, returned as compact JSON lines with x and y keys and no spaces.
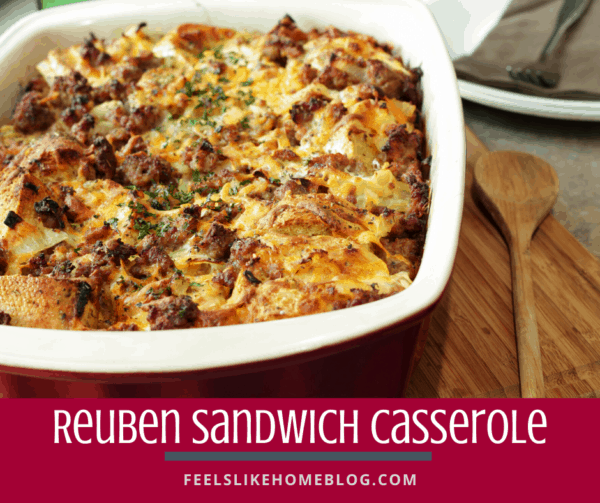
{"x":519,"y":191}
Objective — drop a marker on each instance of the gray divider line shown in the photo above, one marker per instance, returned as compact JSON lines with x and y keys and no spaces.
{"x":297,"y":456}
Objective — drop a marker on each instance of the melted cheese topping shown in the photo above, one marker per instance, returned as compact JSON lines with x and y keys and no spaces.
{"x":279,"y":198}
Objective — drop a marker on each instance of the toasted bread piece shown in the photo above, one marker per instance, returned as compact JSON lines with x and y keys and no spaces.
{"x":44,"y":302}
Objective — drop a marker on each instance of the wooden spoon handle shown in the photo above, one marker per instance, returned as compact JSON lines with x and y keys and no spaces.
{"x":528,"y":344}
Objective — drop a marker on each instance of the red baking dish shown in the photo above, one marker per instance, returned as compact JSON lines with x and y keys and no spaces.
{"x":363,"y":351}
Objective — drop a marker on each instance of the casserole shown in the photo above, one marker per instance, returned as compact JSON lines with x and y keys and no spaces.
{"x":395,"y":326}
{"x":210,"y":177}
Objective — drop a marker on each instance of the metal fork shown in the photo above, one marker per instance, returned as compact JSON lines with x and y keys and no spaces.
{"x":544,"y":72}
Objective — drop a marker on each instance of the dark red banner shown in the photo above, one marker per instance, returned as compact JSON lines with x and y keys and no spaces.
{"x":192,"y":449}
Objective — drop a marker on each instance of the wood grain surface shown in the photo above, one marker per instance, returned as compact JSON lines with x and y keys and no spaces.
{"x":519,"y":190}
{"x":471,"y":349}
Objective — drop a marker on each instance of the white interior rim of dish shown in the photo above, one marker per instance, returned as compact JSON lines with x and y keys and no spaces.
{"x":218,"y":347}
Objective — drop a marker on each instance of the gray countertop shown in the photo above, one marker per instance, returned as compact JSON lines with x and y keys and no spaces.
{"x":571,"y":147}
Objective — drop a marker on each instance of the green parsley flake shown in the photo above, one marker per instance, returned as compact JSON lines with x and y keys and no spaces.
{"x":112,"y":222}
{"x":218,"y":52}
{"x":143,"y":227}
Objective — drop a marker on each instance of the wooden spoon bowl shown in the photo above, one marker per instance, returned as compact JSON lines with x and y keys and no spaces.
{"x":519,"y":190}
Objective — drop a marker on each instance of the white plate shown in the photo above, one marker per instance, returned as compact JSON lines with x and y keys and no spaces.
{"x":465,"y":24}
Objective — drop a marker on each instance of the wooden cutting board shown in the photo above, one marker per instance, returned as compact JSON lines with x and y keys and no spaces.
{"x":471,"y":348}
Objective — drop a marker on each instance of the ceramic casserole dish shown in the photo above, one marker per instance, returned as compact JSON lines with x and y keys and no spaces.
{"x":368,"y":350}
